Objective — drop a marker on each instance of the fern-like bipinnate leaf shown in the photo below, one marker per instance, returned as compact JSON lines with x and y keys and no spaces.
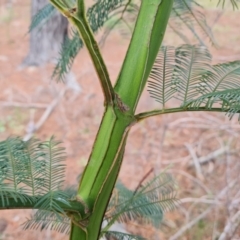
{"x":42,"y":16}
{"x":124,"y":22}
{"x":104,"y":10}
{"x":69,"y":51}
{"x":228,"y":100}
{"x":187,"y":13}
{"x":160,"y":85}
{"x":190,"y":14}
{"x":146,"y":205}
{"x":53,"y":155}
{"x":198,"y":85}
{"x":43,"y":220}
{"x":178,"y":71}
{"x":34,"y":167}
{"x":184,"y":11}
{"x":97,"y":15}
{"x":191,"y":63}
{"x":54,"y":172}
{"x":221,"y":77}
{"x":48,"y":219}
{"x":14,"y":172}
{"x":32,"y":174}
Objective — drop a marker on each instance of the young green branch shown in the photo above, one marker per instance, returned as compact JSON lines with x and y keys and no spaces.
{"x":16,"y":203}
{"x":141,"y":116}
{"x":142,"y":52}
{"x":101,"y":172}
{"x":77,"y":17}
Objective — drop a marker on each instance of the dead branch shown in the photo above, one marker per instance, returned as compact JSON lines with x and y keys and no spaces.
{"x":45,"y":116}
{"x":197,"y":181}
{"x":199,"y":200}
{"x":210,"y":156}
{"x":202,"y":215}
{"x":190,"y":224}
{"x":231,"y":227}
{"x":23,"y":105}
{"x":196,"y":163}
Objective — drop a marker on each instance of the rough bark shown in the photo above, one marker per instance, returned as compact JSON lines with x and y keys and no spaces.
{"x":46,"y":40}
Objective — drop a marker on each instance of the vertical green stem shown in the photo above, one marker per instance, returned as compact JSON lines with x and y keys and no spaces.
{"x":102,"y":170}
{"x":145,"y":43}
{"x":100,"y":175}
{"x":97,"y":60}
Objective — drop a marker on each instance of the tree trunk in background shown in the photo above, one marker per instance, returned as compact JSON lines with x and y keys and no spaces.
{"x":46,"y":40}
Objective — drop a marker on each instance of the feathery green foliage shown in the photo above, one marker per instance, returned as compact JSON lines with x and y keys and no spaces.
{"x":191,"y":63}
{"x":69,"y":51}
{"x":228,"y":100}
{"x":190,"y":14}
{"x":97,"y":15}
{"x":18,"y":173}
{"x":105,"y":10}
{"x":43,"y":220}
{"x":54,"y":174}
{"x":178,"y":71}
{"x":160,"y":87}
{"x":42,"y":16}
{"x":33,"y":173}
{"x":186,"y":13}
{"x":221,"y":77}
{"x":146,"y":204}
{"x":123,"y":21}
{"x":194,"y":81}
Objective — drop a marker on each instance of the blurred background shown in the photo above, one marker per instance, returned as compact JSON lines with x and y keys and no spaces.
{"x":201,"y":150}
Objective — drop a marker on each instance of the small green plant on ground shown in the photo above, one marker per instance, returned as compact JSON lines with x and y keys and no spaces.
{"x":31,"y":173}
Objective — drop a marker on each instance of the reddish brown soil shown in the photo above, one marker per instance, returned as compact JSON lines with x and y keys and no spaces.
{"x":153,"y":143}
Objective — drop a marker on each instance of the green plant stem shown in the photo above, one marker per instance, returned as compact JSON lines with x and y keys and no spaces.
{"x":145,"y":43}
{"x":59,"y":6}
{"x":81,"y":23}
{"x":97,"y":60}
{"x":141,"y":116}
{"x":78,"y":19}
{"x":102,"y":170}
